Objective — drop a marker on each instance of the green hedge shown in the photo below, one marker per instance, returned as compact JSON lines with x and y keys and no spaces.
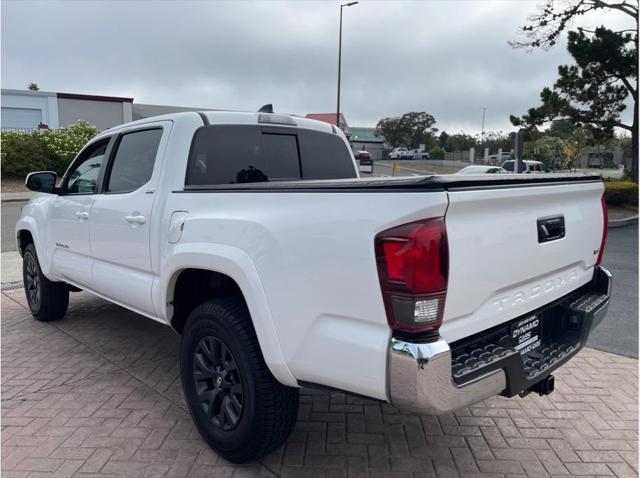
{"x":621,"y":193}
{"x":42,"y":151}
{"x":23,"y":153}
{"x":436,"y":153}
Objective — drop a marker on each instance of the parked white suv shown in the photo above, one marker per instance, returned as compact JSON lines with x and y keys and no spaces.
{"x":419,"y":154}
{"x":400,"y":153}
{"x":251,"y":235}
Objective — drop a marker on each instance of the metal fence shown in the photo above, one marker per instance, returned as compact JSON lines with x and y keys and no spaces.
{"x":19,"y":130}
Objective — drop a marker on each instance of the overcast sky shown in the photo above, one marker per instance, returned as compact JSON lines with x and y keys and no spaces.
{"x":449,"y":58}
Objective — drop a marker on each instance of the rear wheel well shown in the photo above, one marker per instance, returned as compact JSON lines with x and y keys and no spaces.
{"x":195,"y":286}
{"x":24,"y":239}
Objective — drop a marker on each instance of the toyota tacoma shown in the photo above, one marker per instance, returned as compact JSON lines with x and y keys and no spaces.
{"x":254,"y":238}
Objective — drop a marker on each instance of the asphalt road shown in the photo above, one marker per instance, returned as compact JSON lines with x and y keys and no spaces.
{"x":618,"y":333}
{"x":10,"y":215}
{"x":387,"y":169}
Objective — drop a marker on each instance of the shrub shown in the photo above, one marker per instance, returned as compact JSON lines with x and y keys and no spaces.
{"x":621,"y":192}
{"x":63,"y":144}
{"x":551,"y":151}
{"x":436,"y":153}
{"x":46,"y":150}
{"x":23,"y":153}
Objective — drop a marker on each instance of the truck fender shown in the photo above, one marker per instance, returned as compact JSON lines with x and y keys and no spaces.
{"x":28,"y":223}
{"x":236,"y":264}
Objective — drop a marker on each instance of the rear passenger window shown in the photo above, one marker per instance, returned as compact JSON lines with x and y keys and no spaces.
{"x":133,"y":162}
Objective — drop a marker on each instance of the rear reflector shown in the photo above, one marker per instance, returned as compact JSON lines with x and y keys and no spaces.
{"x":413,"y":266}
{"x":603,"y":242}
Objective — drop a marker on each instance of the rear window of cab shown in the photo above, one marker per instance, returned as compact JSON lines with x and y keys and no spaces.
{"x":235,"y":154}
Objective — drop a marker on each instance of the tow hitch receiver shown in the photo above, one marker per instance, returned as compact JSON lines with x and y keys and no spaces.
{"x":543,"y":387}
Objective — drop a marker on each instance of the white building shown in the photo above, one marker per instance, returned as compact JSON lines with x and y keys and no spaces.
{"x":26,"y":110}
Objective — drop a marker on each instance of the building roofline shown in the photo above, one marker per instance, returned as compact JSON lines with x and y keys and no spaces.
{"x":10,"y":91}
{"x":76,"y":96}
{"x":70,"y":96}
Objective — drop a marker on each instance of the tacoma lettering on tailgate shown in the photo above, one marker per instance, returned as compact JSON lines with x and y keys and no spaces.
{"x":522,"y":296}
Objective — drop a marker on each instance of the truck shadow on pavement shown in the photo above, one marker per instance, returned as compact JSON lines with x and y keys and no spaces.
{"x":100,"y":392}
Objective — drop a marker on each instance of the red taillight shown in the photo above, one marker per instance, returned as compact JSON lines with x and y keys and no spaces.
{"x":413,"y":265}
{"x":604,"y":232}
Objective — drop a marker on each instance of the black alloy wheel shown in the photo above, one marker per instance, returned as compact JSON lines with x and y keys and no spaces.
{"x":32,"y":282}
{"x":218,"y":383}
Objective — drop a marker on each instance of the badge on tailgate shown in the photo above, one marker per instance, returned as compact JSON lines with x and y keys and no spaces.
{"x":550,"y":228}
{"x":525,"y":334}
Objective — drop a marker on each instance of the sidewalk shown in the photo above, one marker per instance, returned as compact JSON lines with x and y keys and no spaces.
{"x":98,"y":394}
{"x":619,"y":216}
{"x":11,"y":270}
{"x":22,"y":196}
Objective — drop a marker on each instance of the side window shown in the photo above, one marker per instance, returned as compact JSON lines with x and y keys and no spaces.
{"x":508,"y":165}
{"x":133,"y":162}
{"x":82,"y":178}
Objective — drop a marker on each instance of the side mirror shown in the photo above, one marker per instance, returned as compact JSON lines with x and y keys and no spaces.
{"x":42,"y":182}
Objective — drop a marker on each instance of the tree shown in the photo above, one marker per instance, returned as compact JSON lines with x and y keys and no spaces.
{"x":594,"y":90}
{"x":436,"y":152}
{"x":562,"y":128}
{"x":495,"y":140}
{"x":410,"y":130}
{"x":549,"y":150}
{"x":33,"y":87}
{"x":606,"y":64}
{"x":460,"y":142}
{"x":442,"y":139}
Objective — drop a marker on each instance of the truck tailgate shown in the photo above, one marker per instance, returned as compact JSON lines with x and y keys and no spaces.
{"x":499,"y":267}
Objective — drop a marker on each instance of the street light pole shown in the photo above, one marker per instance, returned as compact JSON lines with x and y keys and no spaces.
{"x":340,"y":60}
{"x":484,"y":110}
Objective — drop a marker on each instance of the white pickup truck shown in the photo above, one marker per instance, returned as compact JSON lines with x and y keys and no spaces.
{"x":252,"y":236}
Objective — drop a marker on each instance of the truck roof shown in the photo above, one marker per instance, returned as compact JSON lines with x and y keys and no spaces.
{"x":231,"y":117}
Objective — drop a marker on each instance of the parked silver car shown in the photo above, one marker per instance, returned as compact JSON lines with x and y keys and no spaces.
{"x":482,"y":170}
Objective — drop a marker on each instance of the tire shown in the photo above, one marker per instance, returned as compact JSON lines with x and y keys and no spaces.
{"x":222,"y":368}
{"x":47,"y":300}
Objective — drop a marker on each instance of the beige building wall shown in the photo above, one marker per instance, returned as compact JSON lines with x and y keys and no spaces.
{"x":103,"y":114}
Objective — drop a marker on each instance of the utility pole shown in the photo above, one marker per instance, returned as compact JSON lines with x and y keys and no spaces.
{"x":484,"y":110}
{"x":340,"y":60}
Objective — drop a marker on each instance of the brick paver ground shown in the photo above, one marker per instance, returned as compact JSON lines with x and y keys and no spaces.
{"x":99,"y":394}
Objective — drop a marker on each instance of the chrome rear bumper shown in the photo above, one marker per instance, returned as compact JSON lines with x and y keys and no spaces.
{"x":421,"y":377}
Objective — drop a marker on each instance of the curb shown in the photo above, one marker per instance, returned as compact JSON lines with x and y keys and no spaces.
{"x":627,"y":221}
{"x":15,"y":285}
{"x":15,"y":200}
{"x":16,"y":197}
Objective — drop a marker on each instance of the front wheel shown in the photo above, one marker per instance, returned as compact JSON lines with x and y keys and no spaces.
{"x":47,"y":300}
{"x":238,"y":407}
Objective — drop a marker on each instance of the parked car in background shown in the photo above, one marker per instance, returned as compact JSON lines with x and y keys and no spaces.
{"x":482,"y":170}
{"x":419,"y":154}
{"x":504,"y":156}
{"x":526,"y":166}
{"x":400,"y":153}
{"x":365,"y":161}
